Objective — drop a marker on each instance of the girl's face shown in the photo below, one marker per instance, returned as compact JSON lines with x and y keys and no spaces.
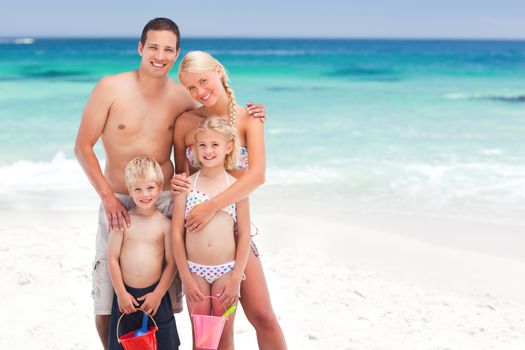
{"x":212,"y":148}
{"x":205,"y":87}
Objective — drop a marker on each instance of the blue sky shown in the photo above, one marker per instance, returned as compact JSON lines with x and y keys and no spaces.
{"x":270,"y":18}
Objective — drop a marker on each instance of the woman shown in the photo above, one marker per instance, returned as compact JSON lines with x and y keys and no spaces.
{"x":208,"y":83}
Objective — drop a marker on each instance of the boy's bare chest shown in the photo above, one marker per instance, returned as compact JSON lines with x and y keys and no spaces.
{"x":145,"y":232}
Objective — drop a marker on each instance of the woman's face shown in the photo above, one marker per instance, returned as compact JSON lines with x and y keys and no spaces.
{"x":205,"y":87}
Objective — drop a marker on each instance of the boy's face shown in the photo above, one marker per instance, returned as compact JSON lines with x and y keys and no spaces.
{"x":145,"y":193}
{"x":159,"y":52}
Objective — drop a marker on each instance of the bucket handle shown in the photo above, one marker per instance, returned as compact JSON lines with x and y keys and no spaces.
{"x":120,"y":318}
{"x":206,"y":297}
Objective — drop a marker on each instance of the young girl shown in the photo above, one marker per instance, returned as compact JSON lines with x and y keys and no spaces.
{"x":207,"y":81}
{"x":209,"y":261}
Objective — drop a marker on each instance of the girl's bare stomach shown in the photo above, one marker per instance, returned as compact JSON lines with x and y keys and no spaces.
{"x":214,"y":244}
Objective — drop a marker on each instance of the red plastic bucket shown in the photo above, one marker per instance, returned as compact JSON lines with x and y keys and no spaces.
{"x":145,"y":341}
{"x":207,"y":329}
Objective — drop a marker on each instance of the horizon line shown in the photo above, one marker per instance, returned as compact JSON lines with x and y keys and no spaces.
{"x":198,"y":37}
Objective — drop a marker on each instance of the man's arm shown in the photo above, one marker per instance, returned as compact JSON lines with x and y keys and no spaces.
{"x":92,"y":125}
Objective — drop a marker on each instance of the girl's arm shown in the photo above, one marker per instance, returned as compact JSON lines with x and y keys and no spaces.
{"x":255,"y":176}
{"x":191,"y":288}
{"x":233,"y":286}
{"x":152,"y":300}
{"x":126,"y":301}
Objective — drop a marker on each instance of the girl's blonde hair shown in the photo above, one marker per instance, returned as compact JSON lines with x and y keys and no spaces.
{"x":200,"y":61}
{"x":229,"y":133}
{"x":143,"y":168}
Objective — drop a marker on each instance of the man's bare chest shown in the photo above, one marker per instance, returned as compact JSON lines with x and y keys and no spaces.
{"x":127,"y":119}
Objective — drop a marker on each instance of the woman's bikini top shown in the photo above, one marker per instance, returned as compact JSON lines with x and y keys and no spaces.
{"x":196,"y":197}
{"x":242,"y":163}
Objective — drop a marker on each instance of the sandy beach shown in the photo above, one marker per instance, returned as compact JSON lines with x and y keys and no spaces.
{"x":336,"y":282}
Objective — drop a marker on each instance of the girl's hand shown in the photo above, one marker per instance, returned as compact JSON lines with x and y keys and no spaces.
{"x":199,"y":216}
{"x":180,"y":183}
{"x":192,"y":291}
{"x":151,"y":302}
{"x":232,"y":290}
{"x":256,"y":110}
{"x":126,"y":303}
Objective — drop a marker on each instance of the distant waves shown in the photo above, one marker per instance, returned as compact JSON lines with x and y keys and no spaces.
{"x":365,"y":73}
{"x":511,"y":98}
{"x":51,"y":74}
{"x":18,"y":41}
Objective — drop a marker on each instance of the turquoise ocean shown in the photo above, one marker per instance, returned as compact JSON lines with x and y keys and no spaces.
{"x":420,"y":125}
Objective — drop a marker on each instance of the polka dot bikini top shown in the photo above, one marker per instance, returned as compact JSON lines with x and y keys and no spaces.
{"x":196,"y":197}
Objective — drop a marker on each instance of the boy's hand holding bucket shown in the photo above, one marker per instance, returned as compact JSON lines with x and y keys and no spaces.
{"x":151,"y":302}
{"x":127,"y":303}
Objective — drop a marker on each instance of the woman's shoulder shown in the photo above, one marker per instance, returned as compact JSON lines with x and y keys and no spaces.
{"x":245,"y":119}
{"x":242,"y":119}
{"x":242,"y":114}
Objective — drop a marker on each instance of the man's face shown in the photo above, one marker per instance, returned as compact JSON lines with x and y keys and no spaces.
{"x":159,"y":52}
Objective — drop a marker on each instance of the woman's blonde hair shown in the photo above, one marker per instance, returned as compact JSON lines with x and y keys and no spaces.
{"x":200,"y":61}
{"x":229,"y":133}
{"x":143,"y":168}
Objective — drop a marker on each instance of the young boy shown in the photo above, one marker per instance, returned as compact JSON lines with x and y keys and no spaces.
{"x":140,"y":262}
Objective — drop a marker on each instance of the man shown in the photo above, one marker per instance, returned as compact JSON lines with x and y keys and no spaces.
{"x":134,"y":114}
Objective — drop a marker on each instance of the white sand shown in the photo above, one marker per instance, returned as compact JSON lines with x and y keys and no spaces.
{"x":334,"y":285}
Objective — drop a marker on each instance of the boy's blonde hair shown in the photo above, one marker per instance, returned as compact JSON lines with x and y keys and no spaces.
{"x":229,"y":133}
{"x":143,"y":168}
{"x":199,"y":62}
